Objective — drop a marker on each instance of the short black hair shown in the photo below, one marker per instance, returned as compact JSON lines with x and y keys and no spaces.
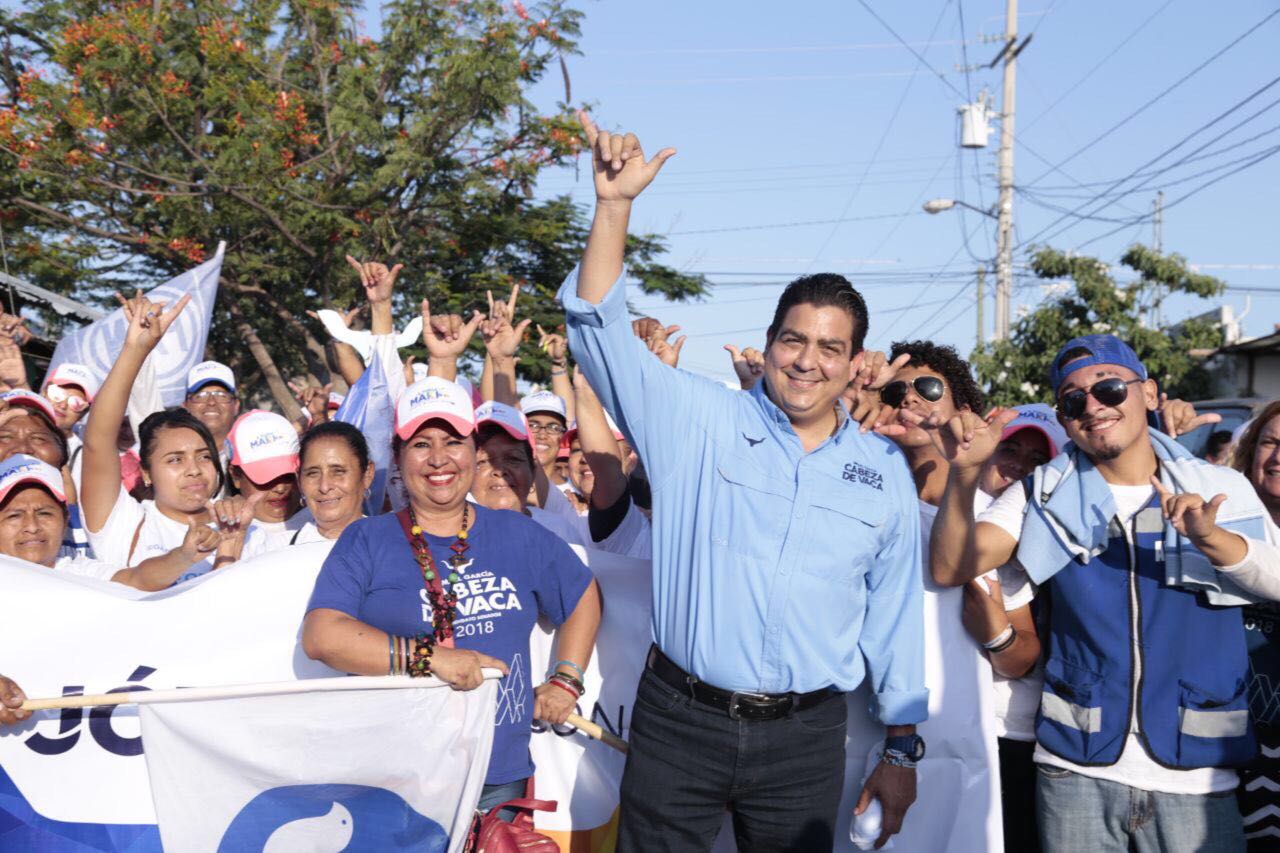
{"x":176,"y":418}
{"x":946,"y":362}
{"x":340,"y":430}
{"x":822,"y":289}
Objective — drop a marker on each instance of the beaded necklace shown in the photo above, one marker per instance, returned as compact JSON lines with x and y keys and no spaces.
{"x":444,"y":601}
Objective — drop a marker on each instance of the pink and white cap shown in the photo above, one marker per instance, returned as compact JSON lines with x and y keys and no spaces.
{"x":1042,"y":418}
{"x":335,"y":401}
{"x":572,"y":432}
{"x":21,"y":468}
{"x":30,"y":400}
{"x":434,"y":398}
{"x":76,"y":376}
{"x":509,"y":418}
{"x":264,"y":445}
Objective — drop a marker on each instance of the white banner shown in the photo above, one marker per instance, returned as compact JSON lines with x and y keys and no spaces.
{"x":77,"y":779}
{"x":182,"y":348}
{"x":958,"y":805}
{"x":362,"y":770}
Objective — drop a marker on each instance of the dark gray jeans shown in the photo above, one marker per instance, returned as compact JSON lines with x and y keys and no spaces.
{"x":688,"y":763}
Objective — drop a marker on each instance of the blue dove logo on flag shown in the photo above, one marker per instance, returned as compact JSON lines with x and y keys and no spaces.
{"x":182,"y":348}
{"x":332,"y":817}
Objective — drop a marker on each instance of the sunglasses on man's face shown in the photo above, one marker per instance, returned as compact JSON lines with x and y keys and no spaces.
{"x":58,"y":394}
{"x":929,"y":388}
{"x":1108,"y":392}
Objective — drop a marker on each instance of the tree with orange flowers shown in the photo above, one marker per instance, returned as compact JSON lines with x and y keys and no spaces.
{"x":136,"y":135}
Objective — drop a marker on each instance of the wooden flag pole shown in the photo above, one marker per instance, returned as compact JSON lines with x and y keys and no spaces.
{"x":306,"y":685}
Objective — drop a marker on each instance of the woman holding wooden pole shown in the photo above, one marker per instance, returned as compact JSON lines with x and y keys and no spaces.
{"x":398,"y":591}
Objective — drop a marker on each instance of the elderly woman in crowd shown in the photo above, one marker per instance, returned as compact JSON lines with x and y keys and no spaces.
{"x":179,"y":464}
{"x":399,"y":590}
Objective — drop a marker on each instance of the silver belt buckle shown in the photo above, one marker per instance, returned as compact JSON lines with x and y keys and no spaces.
{"x":733,"y":701}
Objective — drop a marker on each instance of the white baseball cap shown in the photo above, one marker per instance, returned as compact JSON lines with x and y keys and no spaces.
{"x":543,"y":401}
{"x":509,"y":418}
{"x":75,"y":375}
{"x":264,"y":445}
{"x":21,"y":468}
{"x":210,"y":371}
{"x":336,"y":400}
{"x":30,"y":400}
{"x":1042,"y":418}
{"x":430,"y":399}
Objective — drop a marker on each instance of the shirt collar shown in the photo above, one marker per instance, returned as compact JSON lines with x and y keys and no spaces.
{"x":780,"y":424}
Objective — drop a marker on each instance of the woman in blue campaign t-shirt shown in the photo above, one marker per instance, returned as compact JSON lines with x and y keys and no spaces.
{"x":512,"y":572}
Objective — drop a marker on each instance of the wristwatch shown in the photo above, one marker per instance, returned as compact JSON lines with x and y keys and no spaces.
{"x":903,"y":750}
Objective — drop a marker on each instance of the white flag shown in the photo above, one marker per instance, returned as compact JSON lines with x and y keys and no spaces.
{"x":182,"y":348}
{"x":378,"y":770}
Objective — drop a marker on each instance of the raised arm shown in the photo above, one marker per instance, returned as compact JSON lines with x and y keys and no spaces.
{"x":446,"y":337}
{"x":100,"y":478}
{"x":601,"y":449}
{"x":621,"y":173}
{"x":502,"y":336}
{"x":557,"y":350}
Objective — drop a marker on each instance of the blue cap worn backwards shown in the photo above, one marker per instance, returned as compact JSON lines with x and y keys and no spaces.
{"x":1102,"y":349}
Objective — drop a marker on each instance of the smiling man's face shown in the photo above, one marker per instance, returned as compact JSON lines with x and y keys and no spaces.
{"x":1104,"y":432}
{"x":810,"y":360}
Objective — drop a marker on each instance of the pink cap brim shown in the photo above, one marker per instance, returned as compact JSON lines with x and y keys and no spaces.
{"x":460,"y":425}
{"x":265,"y":470}
{"x":67,"y":383}
{"x":57,"y":493}
{"x":510,"y":430}
{"x":1053,"y":448}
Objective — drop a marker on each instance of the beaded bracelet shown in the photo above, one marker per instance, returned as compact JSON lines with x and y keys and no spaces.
{"x":420,"y":664}
{"x":555,"y":666}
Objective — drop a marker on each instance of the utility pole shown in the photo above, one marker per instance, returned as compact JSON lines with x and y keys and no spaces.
{"x":1004,"y":228}
{"x":982,"y":296}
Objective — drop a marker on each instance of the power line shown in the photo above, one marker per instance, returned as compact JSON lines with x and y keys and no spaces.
{"x":1157,"y":158}
{"x":1184,"y":78}
{"x":883,"y":136}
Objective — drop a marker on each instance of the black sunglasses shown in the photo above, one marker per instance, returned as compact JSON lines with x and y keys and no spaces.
{"x":1108,"y":392}
{"x":930,"y":389}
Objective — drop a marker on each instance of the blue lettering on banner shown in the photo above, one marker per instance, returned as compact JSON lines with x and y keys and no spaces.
{"x":346,"y":817}
{"x":855,"y":473}
{"x":100,"y":728}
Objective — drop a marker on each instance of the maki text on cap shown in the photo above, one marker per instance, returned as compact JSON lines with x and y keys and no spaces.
{"x":264,"y":445}
{"x":208,"y":372}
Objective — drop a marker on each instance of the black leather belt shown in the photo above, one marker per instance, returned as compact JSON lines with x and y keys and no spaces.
{"x":738,"y":704}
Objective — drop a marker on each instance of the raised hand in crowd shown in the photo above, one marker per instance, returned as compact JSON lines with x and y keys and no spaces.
{"x":376,"y":278}
{"x":446,"y":337}
{"x":502,"y":337}
{"x":13,"y":370}
{"x":1197,"y":519}
{"x":968,"y":440}
{"x":148,"y":321}
{"x":870,"y":412}
{"x":11,"y":699}
{"x":1179,"y":417}
{"x":621,"y":173}
{"x":876,"y":371}
{"x":657,"y":338}
{"x":748,"y":364}
{"x":313,"y":399}
{"x":556,"y":347}
{"x":233,"y":516}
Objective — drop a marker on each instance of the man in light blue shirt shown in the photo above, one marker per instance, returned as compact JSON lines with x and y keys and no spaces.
{"x":786,"y":565}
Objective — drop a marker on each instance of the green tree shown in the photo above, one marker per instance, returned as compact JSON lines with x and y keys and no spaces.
{"x":136,"y":135}
{"x":1016,"y":370}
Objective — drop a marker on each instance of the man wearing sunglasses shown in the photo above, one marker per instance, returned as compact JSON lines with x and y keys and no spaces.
{"x":785,"y":560}
{"x":1145,"y":551}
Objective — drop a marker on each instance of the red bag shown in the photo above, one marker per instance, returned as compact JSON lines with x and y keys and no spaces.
{"x":491,"y":834}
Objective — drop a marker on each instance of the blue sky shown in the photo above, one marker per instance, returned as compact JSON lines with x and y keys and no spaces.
{"x":814,"y":111}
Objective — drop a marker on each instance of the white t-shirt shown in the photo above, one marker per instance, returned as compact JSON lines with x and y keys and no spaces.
{"x":1134,"y":768}
{"x":86,"y":567}
{"x":279,"y":534}
{"x":571,"y":530}
{"x":157,"y":535}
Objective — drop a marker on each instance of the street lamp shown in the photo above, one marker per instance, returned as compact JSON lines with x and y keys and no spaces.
{"x":937,"y":205}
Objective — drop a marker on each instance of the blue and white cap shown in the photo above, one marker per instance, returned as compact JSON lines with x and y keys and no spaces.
{"x":207,"y":372}
{"x":543,"y":401}
{"x":1102,"y":349}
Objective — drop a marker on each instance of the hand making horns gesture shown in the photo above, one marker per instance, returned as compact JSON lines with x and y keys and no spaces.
{"x":621,"y":172}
